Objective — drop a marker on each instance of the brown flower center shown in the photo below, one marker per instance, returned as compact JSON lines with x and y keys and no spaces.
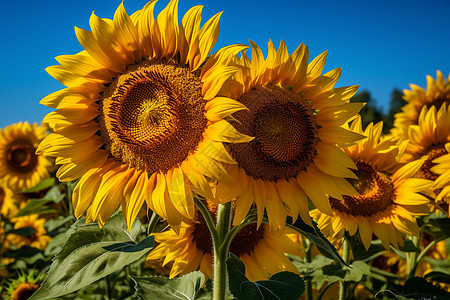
{"x":284,"y":128}
{"x":424,"y":171}
{"x":24,"y":291}
{"x":243,"y":242}
{"x":21,"y":156}
{"x":439,"y":101}
{"x":247,"y":239}
{"x":375,"y":192}
{"x":153,"y":115}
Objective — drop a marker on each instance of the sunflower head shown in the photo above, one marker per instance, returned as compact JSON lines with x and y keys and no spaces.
{"x":24,"y":286}
{"x":387,"y":197}
{"x":38,"y":239}
{"x":436,"y":94}
{"x":428,"y":151}
{"x":21,"y":167}
{"x":8,"y":199}
{"x":140,"y":119}
{"x":192,"y":249}
{"x":298,"y":120}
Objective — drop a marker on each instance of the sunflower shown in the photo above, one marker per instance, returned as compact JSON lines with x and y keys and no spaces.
{"x":21,"y":167}
{"x":387,"y":197}
{"x":7,"y":201}
{"x":393,"y":263}
{"x":437,"y":93}
{"x":38,"y":239}
{"x":24,"y":286}
{"x":139,"y":119}
{"x":429,"y":150}
{"x":260,"y":249}
{"x":296,"y":118}
{"x":437,"y":252}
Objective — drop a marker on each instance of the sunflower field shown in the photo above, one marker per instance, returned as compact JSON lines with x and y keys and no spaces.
{"x":166,"y":171}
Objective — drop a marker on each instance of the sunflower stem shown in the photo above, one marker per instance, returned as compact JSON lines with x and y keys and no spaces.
{"x":208,"y":219}
{"x":412,"y":258}
{"x":108,"y":288}
{"x":308,"y":258}
{"x":427,"y":248}
{"x":345,"y":257}
{"x":234,"y":230}
{"x":154,"y":220}
{"x":221,"y":251}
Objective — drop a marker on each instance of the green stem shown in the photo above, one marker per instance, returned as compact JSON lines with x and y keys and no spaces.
{"x":153,"y":223}
{"x":108,"y":288}
{"x":220,"y":235}
{"x":427,"y":248}
{"x":308,"y":258}
{"x":208,"y":219}
{"x":221,"y":251}
{"x":345,"y":257}
{"x":412,"y":258}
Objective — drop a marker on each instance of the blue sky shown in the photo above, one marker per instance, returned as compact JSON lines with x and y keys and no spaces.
{"x":380,"y":45}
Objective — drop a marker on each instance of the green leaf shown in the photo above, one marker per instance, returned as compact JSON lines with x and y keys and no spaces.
{"x":408,"y":247}
{"x":163,"y":288}
{"x":44,"y":184}
{"x":360,"y":252}
{"x":92,"y":253}
{"x":419,"y":288}
{"x":56,"y":243}
{"x":36,"y":206}
{"x":283,"y":285}
{"x":314,"y":234}
{"x":438,"y":277}
{"x":54,"y":224}
{"x":323,"y":269}
{"x":24,"y":231}
{"x":439,"y":227}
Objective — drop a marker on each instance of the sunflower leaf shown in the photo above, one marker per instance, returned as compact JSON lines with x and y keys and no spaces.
{"x":44,"y":184}
{"x":314,"y":234}
{"x":36,"y":206}
{"x":91,"y":253}
{"x":162,"y":288}
{"x":283,"y":285}
{"x":439,"y":227}
{"x":438,"y":277}
{"x":23,"y":231}
{"x":420,"y":288}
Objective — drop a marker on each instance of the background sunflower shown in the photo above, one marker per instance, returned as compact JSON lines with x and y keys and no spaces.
{"x":20,"y":167}
{"x":387,"y":197}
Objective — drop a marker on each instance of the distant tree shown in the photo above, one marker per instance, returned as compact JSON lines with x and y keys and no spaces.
{"x":370,"y":112}
{"x":395,"y":106}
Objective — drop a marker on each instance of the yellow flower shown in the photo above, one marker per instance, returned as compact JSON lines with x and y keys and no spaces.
{"x":429,"y":150}
{"x":7,"y":200}
{"x":437,"y":94}
{"x":437,"y":252}
{"x":261,"y":250}
{"x":24,"y":286}
{"x":21,"y":167}
{"x":386,"y":202}
{"x":296,"y":118}
{"x":139,"y":119}
{"x":24,"y":291}
{"x":39,"y":239}
{"x":391,"y":262}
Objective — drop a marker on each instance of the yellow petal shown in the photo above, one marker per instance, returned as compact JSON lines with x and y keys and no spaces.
{"x":331,"y":160}
{"x":221,"y":107}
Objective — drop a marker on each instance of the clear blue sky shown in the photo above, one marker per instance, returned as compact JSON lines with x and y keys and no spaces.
{"x":379,"y":44}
